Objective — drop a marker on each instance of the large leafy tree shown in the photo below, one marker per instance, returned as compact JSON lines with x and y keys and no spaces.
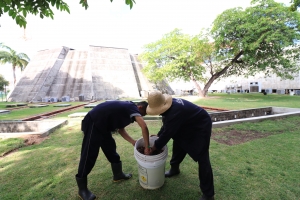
{"x":8,"y":55}
{"x":177,"y":56}
{"x":18,"y":9}
{"x":261,"y":38}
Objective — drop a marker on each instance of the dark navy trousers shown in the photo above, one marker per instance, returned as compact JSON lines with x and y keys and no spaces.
{"x":93,"y":140}
{"x":205,"y":172}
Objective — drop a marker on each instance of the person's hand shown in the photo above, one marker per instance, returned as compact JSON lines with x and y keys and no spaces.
{"x":148,"y":151}
{"x":133,"y":143}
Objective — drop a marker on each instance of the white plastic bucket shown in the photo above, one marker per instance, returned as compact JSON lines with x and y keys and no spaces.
{"x":151,"y":167}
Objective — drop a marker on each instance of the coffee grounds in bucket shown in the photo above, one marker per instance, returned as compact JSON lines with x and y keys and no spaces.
{"x":156,"y":152}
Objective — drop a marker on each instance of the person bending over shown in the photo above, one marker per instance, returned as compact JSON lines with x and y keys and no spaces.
{"x":190,"y":128}
{"x":97,"y":126}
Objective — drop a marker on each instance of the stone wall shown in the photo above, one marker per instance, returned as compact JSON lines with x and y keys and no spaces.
{"x":239,"y":114}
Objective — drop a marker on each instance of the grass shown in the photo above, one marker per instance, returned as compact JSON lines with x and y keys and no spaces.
{"x":22,"y":113}
{"x":10,"y":144}
{"x":249,"y":100}
{"x":265,"y":168}
{"x":261,"y":169}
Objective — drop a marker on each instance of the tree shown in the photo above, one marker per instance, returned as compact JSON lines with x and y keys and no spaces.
{"x":18,"y":9}
{"x":16,"y":59}
{"x":3,"y":83}
{"x":261,"y":38}
{"x":177,"y":56}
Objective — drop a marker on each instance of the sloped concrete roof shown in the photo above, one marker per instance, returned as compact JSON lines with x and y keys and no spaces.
{"x":98,"y":73}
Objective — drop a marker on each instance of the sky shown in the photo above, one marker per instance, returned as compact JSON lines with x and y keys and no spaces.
{"x":111,"y":24}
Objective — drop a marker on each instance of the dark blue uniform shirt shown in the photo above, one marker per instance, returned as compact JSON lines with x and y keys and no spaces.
{"x":187,"y":123}
{"x":112,"y":115}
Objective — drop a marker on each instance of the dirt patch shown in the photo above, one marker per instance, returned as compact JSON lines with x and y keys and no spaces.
{"x":234,"y":137}
{"x":33,"y":139}
{"x":28,"y":140}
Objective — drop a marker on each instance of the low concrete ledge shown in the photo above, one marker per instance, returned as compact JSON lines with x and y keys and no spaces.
{"x":9,"y":129}
{"x":239,"y":114}
{"x":21,"y":104}
{"x":4,"y":112}
{"x":38,"y":106}
{"x":281,"y":113}
{"x":54,"y":125}
{"x":61,"y":105}
{"x":11,"y":105}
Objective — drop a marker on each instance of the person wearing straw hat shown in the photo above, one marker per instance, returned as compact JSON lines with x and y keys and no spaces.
{"x":190,"y":128}
{"x":97,"y":126}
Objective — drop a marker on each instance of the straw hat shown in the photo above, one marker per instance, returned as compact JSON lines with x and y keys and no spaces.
{"x":158,"y":103}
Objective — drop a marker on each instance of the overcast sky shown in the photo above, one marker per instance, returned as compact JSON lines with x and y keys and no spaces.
{"x":113,"y":24}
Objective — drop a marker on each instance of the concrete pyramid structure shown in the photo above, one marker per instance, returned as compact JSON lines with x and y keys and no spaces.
{"x":100,"y":73}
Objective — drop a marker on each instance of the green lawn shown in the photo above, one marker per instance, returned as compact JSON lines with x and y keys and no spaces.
{"x":265,"y":168}
{"x":248,"y":100}
{"x":22,"y":113}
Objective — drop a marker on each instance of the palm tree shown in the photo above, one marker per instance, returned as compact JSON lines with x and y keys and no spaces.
{"x":16,"y":59}
{"x":3,"y":83}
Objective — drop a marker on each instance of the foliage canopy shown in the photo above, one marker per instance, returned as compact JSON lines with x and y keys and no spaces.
{"x":18,"y":9}
{"x":265,"y":36}
{"x":262,"y":38}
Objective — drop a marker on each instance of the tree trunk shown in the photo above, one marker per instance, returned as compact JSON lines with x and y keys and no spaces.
{"x":208,"y":84}
{"x":200,"y":91}
{"x":220,"y":73}
{"x":14,"y":74}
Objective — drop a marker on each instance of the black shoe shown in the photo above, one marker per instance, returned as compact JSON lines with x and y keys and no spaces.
{"x":173,"y":171}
